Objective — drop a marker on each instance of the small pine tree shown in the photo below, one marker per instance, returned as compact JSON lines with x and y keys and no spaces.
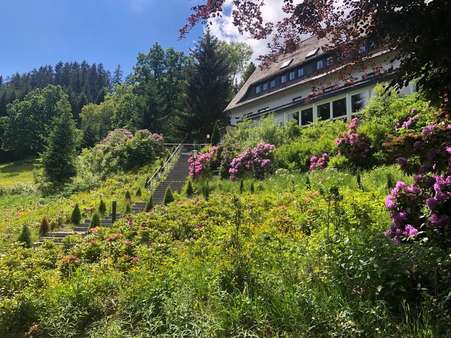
{"x":149,"y":205}
{"x":128,"y":196}
{"x":44,"y":227}
{"x":307,"y":183}
{"x":189,"y":189}
{"x":25,"y":236}
{"x":168,"y":196}
{"x":138,"y":192}
{"x":359,"y":182}
{"x":95,"y":221}
{"x":76,"y":215}
{"x":114,"y":211}
{"x":128,"y":208}
{"x":102,"y":208}
{"x":58,"y":158}
{"x":252,"y":188}
{"x":206,"y":191}
{"x":241,"y":186}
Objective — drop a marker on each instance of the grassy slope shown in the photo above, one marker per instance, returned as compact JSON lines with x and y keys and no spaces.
{"x":30,"y":208}
{"x":12,"y":174}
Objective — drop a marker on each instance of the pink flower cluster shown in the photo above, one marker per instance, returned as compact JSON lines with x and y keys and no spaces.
{"x":255,"y":160}
{"x":439,"y":203}
{"x":319,"y":162}
{"x":408,"y":122}
{"x":352,"y":145}
{"x":117,"y":136}
{"x":402,"y":202}
{"x":199,"y":163}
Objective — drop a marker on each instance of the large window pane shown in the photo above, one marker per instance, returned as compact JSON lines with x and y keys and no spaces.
{"x":293,"y":117}
{"x":357,"y":102}
{"x":324,"y":111}
{"x":339,"y":107}
{"x":306,"y":116}
{"x":284,"y":78}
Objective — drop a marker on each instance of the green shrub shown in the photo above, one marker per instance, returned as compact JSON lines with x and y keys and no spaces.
{"x":76,"y":215}
{"x":44,"y":227}
{"x":316,"y":139}
{"x":128,"y":196}
{"x":189,"y":189}
{"x":25,"y":236}
{"x":102,"y":208}
{"x":138,"y":192}
{"x":149,"y":205}
{"x":168,"y":196}
{"x":95,"y":221}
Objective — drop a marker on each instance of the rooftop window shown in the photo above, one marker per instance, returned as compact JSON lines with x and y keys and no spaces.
{"x":286,"y":63}
{"x":312,"y":53}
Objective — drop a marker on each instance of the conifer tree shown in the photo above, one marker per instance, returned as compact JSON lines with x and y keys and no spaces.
{"x":95,"y":221}
{"x":206,"y":191}
{"x":138,"y":192}
{"x":59,"y":156}
{"x":208,"y":90}
{"x":128,"y":196}
{"x":25,"y":236}
{"x":44,"y":227}
{"x":102,"y":208}
{"x":128,"y":208}
{"x":252,"y":188}
{"x":241,"y":186}
{"x":189,"y":189}
{"x":168,"y":196}
{"x":75,"y":218}
{"x":149,"y":205}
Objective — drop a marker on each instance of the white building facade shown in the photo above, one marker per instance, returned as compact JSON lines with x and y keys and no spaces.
{"x":310,"y":85}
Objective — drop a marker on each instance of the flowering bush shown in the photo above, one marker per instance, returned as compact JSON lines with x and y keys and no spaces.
{"x":354,"y":146}
{"x":405,"y":211}
{"x":319,"y":161}
{"x":120,"y":150}
{"x":439,"y":204}
{"x":199,"y":164}
{"x":256,"y":161}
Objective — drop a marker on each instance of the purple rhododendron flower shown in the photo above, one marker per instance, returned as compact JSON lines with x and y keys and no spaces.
{"x":410,"y":231}
{"x":319,"y":162}
{"x":256,"y":160}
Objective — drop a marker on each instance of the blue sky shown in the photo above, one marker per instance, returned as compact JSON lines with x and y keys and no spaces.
{"x":112,"y":32}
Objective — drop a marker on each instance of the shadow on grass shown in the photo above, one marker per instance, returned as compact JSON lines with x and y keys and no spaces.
{"x":14,"y":169}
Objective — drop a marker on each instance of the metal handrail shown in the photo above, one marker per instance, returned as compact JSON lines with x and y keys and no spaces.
{"x":158,"y":173}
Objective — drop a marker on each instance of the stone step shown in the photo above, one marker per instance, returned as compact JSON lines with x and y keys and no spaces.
{"x":59,"y":234}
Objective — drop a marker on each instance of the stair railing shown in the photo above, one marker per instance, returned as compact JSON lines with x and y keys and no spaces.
{"x":161,"y":171}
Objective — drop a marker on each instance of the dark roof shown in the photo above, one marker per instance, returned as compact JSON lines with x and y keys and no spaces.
{"x":299,"y":57}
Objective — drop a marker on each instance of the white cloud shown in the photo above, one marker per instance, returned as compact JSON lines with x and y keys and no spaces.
{"x":224,"y":29}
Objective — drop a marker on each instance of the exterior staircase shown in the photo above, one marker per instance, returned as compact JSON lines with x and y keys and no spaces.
{"x":172,"y":177}
{"x":175,"y":179}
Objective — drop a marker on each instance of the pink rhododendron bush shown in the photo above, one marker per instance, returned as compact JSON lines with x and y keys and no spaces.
{"x":355,"y":146}
{"x":319,"y":162}
{"x":200,"y":164}
{"x":423,"y":207}
{"x":256,"y":162}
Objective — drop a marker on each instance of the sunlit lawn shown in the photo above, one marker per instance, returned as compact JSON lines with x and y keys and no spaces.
{"x":15,"y":173}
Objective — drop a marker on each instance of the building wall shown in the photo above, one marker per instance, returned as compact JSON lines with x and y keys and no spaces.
{"x":271,"y":103}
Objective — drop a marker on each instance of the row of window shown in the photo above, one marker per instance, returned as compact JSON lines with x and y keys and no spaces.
{"x":331,"y":110}
{"x":292,"y":75}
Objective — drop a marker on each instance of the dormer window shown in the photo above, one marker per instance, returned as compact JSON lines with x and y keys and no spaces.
{"x":292,"y":75}
{"x":265,"y":86}
{"x":320,"y":64}
{"x":273,"y":83}
{"x":258,"y":89}
{"x":286,"y":63}
{"x":284,"y":78}
{"x":312,"y":53}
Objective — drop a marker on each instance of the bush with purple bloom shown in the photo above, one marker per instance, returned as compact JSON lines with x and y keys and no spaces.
{"x":319,"y":162}
{"x":255,"y":161}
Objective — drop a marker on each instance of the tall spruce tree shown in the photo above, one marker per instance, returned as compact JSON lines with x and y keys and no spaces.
{"x":59,"y":155}
{"x":208,"y":90}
